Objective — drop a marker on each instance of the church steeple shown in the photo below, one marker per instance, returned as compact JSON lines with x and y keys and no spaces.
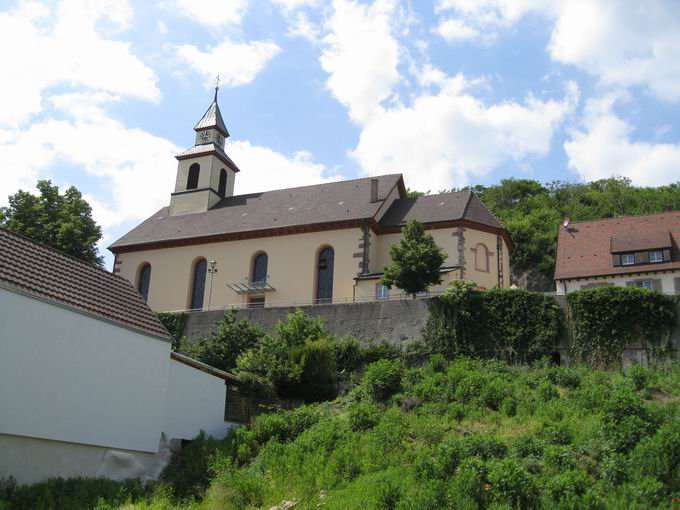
{"x":205,"y":174}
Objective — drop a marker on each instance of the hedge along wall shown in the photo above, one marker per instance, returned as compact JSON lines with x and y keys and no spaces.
{"x":514,"y":325}
{"x":519,"y":326}
{"x":606,"y":320}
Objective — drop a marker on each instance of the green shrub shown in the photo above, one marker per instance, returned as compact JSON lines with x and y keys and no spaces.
{"x":547,"y":391}
{"x":639,"y":375}
{"x":512,"y":485}
{"x":174,"y":322}
{"x":483,"y":446}
{"x":363,"y":416}
{"x":614,"y":468}
{"x":606,"y":319}
{"x":626,"y":420}
{"x":347,"y":354}
{"x":76,"y":493}
{"x":377,"y":352}
{"x":468,"y":485}
{"x":567,"y":488}
{"x":659,"y":455}
{"x":383,"y":379}
{"x":286,"y":425}
{"x":565,"y":377}
{"x":557,"y":434}
{"x":316,"y":360}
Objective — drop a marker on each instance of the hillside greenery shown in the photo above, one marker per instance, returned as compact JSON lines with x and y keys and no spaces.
{"x":532,"y":211}
{"x":450,"y":434}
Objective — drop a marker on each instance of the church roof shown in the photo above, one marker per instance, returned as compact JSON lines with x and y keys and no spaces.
{"x":332,"y":202}
{"x":41,"y":272}
{"x":212,"y":118}
{"x":462,"y":205}
{"x":306,"y":208}
{"x":205,"y":149}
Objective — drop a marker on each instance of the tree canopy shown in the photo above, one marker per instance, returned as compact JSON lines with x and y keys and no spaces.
{"x":63,"y":222}
{"x":532,"y":211}
{"x":416,"y":261}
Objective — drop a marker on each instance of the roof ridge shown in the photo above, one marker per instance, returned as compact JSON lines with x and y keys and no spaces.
{"x":626,"y":216}
{"x":315,"y":185}
{"x":467,"y":204}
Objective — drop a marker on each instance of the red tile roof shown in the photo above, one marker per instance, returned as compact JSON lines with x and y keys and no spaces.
{"x":40,"y":271}
{"x":584,"y":249}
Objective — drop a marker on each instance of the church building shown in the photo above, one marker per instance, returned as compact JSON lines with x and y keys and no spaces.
{"x":325,"y":243}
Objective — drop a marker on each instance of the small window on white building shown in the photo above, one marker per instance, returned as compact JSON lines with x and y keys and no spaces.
{"x":656,"y":256}
{"x":381,"y":291}
{"x":628,"y":259}
{"x":644,"y":284}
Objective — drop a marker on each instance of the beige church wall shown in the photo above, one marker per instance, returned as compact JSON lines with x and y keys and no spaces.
{"x":443,"y":237}
{"x":291,"y":268}
{"x":366,"y":289}
{"x":487,"y":280}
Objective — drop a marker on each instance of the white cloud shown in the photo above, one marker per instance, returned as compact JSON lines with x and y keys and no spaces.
{"x":292,"y":5}
{"x":264,"y":169}
{"x":361,"y":56}
{"x":301,"y":26}
{"x":236,"y":63}
{"x":623,"y":43}
{"x":40,"y":49}
{"x":454,"y":30}
{"x":446,"y":139}
{"x":603,"y":147}
{"x":214,"y":13}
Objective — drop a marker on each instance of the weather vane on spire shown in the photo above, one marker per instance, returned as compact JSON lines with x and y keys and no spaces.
{"x":217,"y":85}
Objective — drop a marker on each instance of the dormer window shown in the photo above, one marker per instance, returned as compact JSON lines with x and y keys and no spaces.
{"x":627,"y":259}
{"x":656,"y":256}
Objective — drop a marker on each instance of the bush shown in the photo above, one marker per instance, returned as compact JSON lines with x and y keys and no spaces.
{"x":174,"y":322}
{"x":567,"y":488}
{"x":639,"y":375}
{"x":383,"y":379}
{"x":512,"y":485}
{"x":363,"y":416}
{"x":316,"y":361}
{"x":347,"y":354}
{"x":606,"y":319}
{"x":284,"y":426}
{"x":659,"y":456}
{"x":626,"y":420}
{"x":227,"y":340}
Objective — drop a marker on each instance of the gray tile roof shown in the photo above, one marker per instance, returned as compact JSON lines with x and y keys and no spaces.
{"x":307,"y":205}
{"x":461,"y":205}
{"x":212,"y":118}
{"x":37,"y":270}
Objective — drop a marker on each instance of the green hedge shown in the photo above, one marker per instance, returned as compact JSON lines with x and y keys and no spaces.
{"x":606,"y":319}
{"x":514,"y":325}
{"x":174,"y":322}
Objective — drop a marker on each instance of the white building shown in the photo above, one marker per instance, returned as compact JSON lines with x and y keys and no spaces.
{"x":639,"y":251}
{"x":87,"y":381}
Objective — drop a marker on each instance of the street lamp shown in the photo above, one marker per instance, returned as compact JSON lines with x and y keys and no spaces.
{"x":212,"y":270}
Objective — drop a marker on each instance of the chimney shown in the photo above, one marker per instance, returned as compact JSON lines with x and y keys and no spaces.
{"x":374,"y":190}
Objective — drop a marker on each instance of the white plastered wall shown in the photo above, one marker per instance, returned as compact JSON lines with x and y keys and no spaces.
{"x":667,"y":281}
{"x":195,"y":402}
{"x":68,"y":377}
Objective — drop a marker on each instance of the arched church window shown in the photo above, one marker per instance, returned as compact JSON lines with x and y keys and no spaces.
{"x":194,"y":173}
{"x":324,"y":275}
{"x":222,"y":189}
{"x":143,"y":280}
{"x":260,"y":268}
{"x":198,"y":284}
{"x":481,"y":257}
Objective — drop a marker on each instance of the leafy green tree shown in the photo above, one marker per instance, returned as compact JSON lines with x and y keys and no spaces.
{"x":63,"y":222}
{"x":227,"y":340}
{"x":416,"y":261}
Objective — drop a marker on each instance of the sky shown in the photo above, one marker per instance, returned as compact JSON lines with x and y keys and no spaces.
{"x":102,"y":94}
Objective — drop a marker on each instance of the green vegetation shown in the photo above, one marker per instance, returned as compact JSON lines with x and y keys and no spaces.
{"x":450,"y":434}
{"x":606,"y":319}
{"x":63,"y":222}
{"x":532,"y":211}
{"x":174,"y":322}
{"x":514,"y":325}
{"x":416,"y":261}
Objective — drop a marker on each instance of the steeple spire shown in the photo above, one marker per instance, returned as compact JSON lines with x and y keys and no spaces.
{"x":217,"y":87}
{"x":212,"y":120}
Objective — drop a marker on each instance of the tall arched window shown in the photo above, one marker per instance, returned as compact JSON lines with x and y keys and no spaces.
{"x":481,"y":257}
{"x":192,"y":178}
{"x":143,"y":280}
{"x":260,"y":268}
{"x":222,"y":188}
{"x":198,"y":284}
{"x":324,"y":276}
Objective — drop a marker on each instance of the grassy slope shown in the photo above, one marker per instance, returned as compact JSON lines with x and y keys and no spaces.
{"x":457,"y":435}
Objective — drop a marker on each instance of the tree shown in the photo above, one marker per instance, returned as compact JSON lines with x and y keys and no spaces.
{"x":63,"y":222}
{"x":416,"y":261}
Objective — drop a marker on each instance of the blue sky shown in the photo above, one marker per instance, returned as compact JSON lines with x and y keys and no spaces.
{"x":101,"y":94}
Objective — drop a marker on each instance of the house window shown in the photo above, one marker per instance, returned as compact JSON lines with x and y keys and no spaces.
{"x":381,"y":291}
{"x":628,"y":259}
{"x":198,"y":284}
{"x":222,"y":188}
{"x":144,"y":280}
{"x":260,"y":268}
{"x":656,"y":256}
{"x":324,"y":276}
{"x":644,"y":284}
{"x":194,"y":173}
